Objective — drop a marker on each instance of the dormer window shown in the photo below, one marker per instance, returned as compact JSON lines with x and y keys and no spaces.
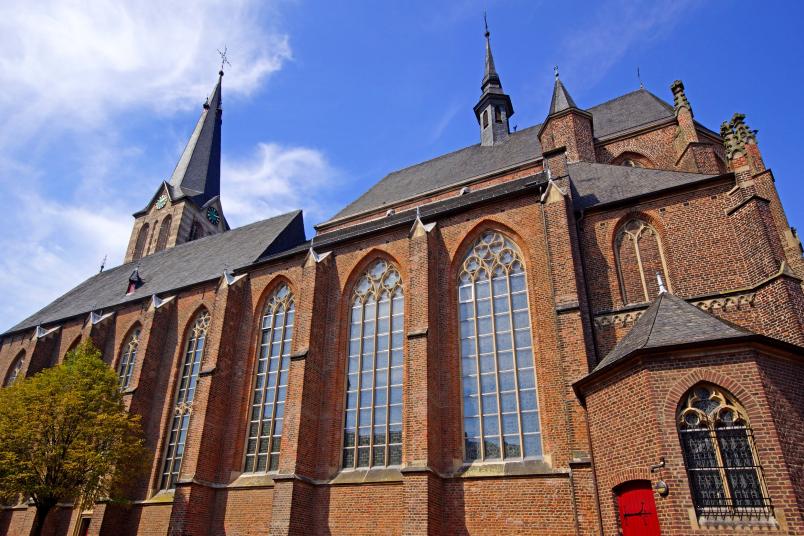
{"x":134,"y":281}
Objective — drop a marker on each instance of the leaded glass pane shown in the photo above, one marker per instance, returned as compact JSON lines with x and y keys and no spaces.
{"x":270,"y":382}
{"x":188,"y":375}
{"x":496,"y":353}
{"x":128,"y":358}
{"x":373,"y":412}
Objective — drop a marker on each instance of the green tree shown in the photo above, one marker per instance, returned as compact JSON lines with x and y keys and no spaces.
{"x":65,"y":435}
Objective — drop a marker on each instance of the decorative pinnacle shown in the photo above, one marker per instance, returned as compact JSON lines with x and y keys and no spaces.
{"x":679,"y":97}
{"x":741,"y":130}
{"x":555,"y":71}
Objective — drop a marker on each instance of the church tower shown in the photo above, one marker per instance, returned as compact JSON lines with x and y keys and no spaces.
{"x":494,"y":107}
{"x":187,"y":206}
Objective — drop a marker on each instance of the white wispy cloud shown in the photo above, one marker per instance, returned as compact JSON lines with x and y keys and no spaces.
{"x":71,"y":73}
{"x":277,"y":179}
{"x":75,"y":63}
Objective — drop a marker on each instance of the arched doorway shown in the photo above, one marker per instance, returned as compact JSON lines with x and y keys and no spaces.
{"x":637,"y":509}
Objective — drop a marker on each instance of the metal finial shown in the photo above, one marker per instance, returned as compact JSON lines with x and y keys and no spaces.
{"x":486,"y":24}
{"x":555,"y":70}
{"x":103,"y":264}
{"x":640,"y":79}
{"x":662,"y":289}
{"x":418,"y":213}
{"x":224,"y":59}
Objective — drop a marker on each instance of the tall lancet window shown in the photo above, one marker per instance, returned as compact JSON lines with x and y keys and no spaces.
{"x":142,"y":239}
{"x":500,"y":408}
{"x":128,"y":357}
{"x":164,"y":233}
{"x":15,"y":369}
{"x":372,"y":435}
{"x":639,"y":255}
{"x":185,"y":392}
{"x":270,"y":383}
{"x":719,"y":453}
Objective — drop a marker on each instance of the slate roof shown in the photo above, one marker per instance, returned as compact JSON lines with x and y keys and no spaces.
{"x":561,"y":99}
{"x":597,"y":184}
{"x":632,"y":110}
{"x":187,"y":264}
{"x":198,"y":172}
{"x":671,"y":321}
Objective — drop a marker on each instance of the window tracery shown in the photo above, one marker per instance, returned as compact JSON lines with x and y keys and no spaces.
{"x":128,"y":358}
{"x":373,"y":423}
{"x":183,"y":405}
{"x":270,"y":383}
{"x":500,"y":407}
{"x":719,"y":454}
{"x":640,"y":257}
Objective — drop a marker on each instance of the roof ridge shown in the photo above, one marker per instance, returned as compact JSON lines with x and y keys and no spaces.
{"x":640,"y":169}
{"x":658,"y":304}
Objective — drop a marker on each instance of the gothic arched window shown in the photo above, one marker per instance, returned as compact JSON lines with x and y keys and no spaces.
{"x":164,"y":233}
{"x":195,"y":232}
{"x":631,"y":159}
{"x":270,"y":383}
{"x":372,"y":434}
{"x":183,"y":405}
{"x":142,"y":239}
{"x":719,"y":454}
{"x":128,"y":357}
{"x":639,"y":257}
{"x":15,"y":369}
{"x":500,"y":408}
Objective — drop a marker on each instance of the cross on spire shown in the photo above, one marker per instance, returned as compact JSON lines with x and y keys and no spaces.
{"x":555,"y":71}
{"x":224,"y":58}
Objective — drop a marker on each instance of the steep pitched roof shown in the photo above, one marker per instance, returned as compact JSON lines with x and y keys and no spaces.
{"x":671,"y":321}
{"x":598,"y":184}
{"x":178,"y":267}
{"x":632,"y":110}
{"x":561,"y":99}
{"x":198,"y":172}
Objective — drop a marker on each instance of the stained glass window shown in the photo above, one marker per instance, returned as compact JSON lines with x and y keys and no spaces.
{"x":373,"y":424}
{"x":270,"y":383}
{"x":128,"y":358}
{"x":15,"y":370}
{"x":500,"y":408}
{"x":183,"y":407}
{"x":719,"y":454}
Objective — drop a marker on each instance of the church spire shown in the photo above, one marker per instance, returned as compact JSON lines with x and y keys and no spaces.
{"x":561,"y":98}
{"x":494,"y":107}
{"x":198,"y":173}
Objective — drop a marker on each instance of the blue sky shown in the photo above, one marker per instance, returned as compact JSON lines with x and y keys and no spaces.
{"x":324,"y":98}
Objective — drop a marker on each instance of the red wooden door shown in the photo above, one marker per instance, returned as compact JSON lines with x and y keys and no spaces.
{"x":637,"y":509}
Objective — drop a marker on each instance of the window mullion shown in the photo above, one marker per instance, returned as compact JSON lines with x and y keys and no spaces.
{"x":477,"y":374}
{"x":516,"y":355}
{"x":388,"y":383}
{"x":359,"y":380}
{"x":496,"y":356}
{"x":260,"y":415}
{"x":374,"y":379}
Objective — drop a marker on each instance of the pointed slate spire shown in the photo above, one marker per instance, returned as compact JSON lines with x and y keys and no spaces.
{"x":561,"y":98}
{"x":494,"y":107}
{"x":490,"y":76}
{"x":198,"y":173}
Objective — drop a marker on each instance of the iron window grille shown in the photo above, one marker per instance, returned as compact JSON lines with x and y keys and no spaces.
{"x":720,"y":456}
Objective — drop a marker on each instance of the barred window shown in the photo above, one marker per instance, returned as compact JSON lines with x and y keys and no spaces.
{"x":372,"y":433}
{"x":128,"y":358}
{"x":500,"y":408}
{"x":183,"y":406}
{"x":640,"y":256}
{"x":270,"y":383}
{"x":719,"y":454}
{"x":15,"y":369}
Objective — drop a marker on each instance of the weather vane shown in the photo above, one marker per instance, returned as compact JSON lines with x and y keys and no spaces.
{"x":555,"y":70}
{"x":224,"y":59}
{"x":486,"y":23}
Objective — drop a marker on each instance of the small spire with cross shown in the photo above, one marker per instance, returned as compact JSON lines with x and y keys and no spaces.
{"x":555,"y":71}
{"x":659,"y":279}
{"x":486,"y":24}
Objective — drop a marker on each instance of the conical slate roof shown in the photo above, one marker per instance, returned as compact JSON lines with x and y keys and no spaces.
{"x":198,"y":173}
{"x":490,"y":76}
{"x":561,"y":99}
{"x":670,"y":321}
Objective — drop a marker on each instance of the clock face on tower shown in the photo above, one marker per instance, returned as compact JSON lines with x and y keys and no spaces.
{"x":162,"y":201}
{"x":213,"y":216}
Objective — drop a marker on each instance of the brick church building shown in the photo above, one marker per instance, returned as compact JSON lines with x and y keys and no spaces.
{"x":594,"y":325}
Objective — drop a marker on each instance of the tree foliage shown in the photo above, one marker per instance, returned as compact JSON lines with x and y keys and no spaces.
{"x":66,"y":436}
